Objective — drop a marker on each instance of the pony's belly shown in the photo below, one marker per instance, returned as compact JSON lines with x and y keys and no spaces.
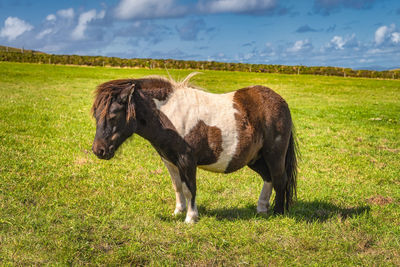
{"x":229,"y":146}
{"x":213,"y":167}
{"x":236,"y":159}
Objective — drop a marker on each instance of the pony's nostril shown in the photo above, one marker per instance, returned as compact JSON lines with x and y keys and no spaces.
{"x":99,"y":149}
{"x":100,"y":152}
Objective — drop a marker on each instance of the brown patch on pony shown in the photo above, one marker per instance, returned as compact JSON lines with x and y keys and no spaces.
{"x":267,"y":113}
{"x":257,"y":107}
{"x":248,"y":120}
{"x":207,"y":141}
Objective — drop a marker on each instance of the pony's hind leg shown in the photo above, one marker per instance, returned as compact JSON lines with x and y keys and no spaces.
{"x":265,"y":195}
{"x":260,"y":166}
{"x":180,"y":206}
{"x":275,"y":160}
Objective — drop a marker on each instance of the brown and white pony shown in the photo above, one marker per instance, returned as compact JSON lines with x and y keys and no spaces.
{"x":192,"y":128}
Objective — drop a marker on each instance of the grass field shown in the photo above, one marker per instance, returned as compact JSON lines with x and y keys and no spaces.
{"x":59,"y":204}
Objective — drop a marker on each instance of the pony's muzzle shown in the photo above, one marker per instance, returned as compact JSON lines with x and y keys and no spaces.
{"x":101,"y":150}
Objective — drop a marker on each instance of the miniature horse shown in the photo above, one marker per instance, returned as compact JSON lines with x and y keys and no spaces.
{"x":192,"y":128}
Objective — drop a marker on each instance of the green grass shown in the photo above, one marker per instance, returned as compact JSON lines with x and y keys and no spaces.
{"x":59,"y":204}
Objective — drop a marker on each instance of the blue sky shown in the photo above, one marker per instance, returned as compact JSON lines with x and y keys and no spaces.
{"x":344,"y":33}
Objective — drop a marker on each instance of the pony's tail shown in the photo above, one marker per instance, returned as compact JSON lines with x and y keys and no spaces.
{"x":292,"y":154}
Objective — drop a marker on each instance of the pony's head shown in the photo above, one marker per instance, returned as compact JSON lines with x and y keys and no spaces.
{"x":114,"y":111}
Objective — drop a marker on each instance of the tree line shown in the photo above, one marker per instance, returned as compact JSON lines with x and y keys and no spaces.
{"x":29,"y":56}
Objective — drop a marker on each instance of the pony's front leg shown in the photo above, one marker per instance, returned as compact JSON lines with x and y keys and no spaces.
{"x":192,"y":214}
{"x":177,"y":183}
{"x":188,"y":177}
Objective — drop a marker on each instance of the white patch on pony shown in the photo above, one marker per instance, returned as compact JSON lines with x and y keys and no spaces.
{"x":278,"y":139}
{"x":185,"y":107}
{"x":176,"y":182}
{"x":263,"y":200}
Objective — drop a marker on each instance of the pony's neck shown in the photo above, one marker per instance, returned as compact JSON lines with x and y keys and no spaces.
{"x":155,"y":127}
{"x":152,"y":124}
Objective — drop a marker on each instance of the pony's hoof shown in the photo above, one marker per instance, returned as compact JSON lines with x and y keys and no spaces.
{"x":278,"y":212}
{"x":191,"y":219}
{"x":178,"y":211}
{"x":261,"y":209}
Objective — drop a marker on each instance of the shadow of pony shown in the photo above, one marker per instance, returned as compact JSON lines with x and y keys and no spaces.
{"x":309,"y":211}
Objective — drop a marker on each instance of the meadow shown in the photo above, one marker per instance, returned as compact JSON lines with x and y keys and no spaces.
{"x":60,"y":205}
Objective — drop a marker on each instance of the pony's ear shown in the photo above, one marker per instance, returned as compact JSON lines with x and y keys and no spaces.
{"x":126,"y":94}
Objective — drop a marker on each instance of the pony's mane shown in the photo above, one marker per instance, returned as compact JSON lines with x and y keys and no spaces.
{"x":105,"y":92}
{"x":156,"y":81}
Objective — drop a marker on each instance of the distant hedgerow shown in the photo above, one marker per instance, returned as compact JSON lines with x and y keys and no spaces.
{"x":30,"y":56}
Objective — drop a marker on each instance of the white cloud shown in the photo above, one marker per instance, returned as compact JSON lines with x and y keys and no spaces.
{"x":79,"y":32}
{"x":342,"y":43}
{"x":301,"y":46}
{"x":66,"y":13}
{"x":380,"y":34}
{"x":387,"y":35}
{"x":51,"y":17}
{"x":338,"y":42}
{"x":395,"y":37}
{"x":14,"y":27}
{"x":236,"y":6}
{"x":44,"y":33}
{"x":144,"y":9}
{"x":139,"y":9}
